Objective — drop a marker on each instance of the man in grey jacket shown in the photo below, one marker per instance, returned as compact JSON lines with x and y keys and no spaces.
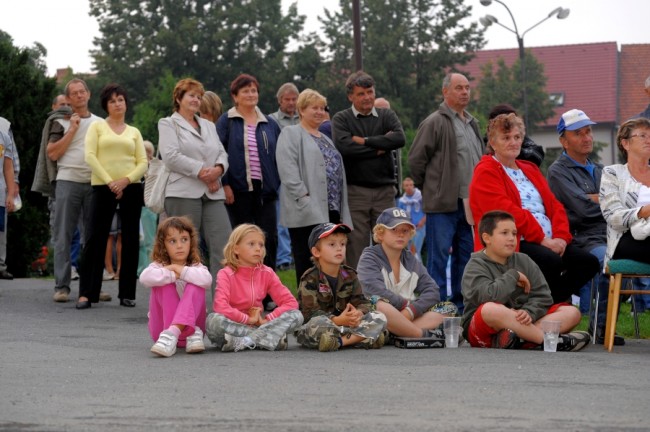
{"x":575,"y":180}
{"x":442,"y":158}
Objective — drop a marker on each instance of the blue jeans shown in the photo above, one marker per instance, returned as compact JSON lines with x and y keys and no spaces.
{"x":445,"y":231}
{"x":284,"y":241}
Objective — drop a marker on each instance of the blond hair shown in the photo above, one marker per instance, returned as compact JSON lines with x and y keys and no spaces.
{"x":230,"y":258}
{"x":309,"y":97}
{"x":381,"y":228}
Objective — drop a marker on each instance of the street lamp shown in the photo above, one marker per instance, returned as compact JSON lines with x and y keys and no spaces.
{"x":488,"y":20}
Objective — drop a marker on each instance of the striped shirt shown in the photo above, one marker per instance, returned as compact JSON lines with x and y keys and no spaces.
{"x":253,"y":154}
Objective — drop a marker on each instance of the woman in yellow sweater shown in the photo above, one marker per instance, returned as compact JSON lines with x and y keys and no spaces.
{"x":116,"y":155}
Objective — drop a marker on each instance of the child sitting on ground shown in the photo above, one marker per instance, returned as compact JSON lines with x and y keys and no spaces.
{"x":331,"y":300}
{"x":238,"y":322}
{"x":506,"y":296}
{"x":405,"y":293}
{"x":178,"y":282}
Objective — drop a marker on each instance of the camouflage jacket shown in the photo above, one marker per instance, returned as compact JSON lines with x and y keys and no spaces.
{"x":315,"y":296}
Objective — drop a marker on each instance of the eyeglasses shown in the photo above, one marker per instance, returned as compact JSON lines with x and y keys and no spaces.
{"x":642,"y":136}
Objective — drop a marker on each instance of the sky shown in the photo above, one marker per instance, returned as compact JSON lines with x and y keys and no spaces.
{"x":66,"y":30}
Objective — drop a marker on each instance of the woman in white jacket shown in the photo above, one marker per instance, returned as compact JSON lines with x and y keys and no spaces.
{"x":196,"y":159}
{"x":311,"y":170}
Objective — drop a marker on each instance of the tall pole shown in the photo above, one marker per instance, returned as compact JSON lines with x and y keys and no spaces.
{"x":356,"y":23}
{"x":522,"y":61}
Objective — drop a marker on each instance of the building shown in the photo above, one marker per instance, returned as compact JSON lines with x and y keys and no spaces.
{"x":598,"y":78}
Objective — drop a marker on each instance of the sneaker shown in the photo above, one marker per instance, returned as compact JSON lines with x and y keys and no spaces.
{"x":74,"y":275}
{"x":165,"y":346}
{"x":283,"y":345}
{"x":244,"y":343}
{"x":4,"y":274}
{"x":600,"y":338}
{"x":108,"y":276}
{"x":436,"y":333}
{"x":194,"y":343}
{"x":61,"y":296}
{"x":328,"y":343}
{"x":505,"y":339}
{"x":573,"y":341}
{"x":229,"y":346}
{"x":376,"y":344}
{"x":104,"y":296}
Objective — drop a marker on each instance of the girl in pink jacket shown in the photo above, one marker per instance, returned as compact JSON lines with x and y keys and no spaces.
{"x":238,"y":321}
{"x":178,"y":282}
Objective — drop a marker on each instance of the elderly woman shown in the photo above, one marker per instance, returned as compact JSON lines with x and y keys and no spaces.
{"x":191,"y":150}
{"x":115,"y":153}
{"x":313,"y":178}
{"x":251,"y":185}
{"x":502,"y":182}
{"x":625,"y":195}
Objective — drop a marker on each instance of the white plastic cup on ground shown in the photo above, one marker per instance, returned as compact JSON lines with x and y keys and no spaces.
{"x":451,"y":326}
{"x":551,"y":331}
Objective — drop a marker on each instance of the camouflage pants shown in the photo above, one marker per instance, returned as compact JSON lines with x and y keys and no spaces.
{"x":266,"y":336}
{"x":308,"y":335}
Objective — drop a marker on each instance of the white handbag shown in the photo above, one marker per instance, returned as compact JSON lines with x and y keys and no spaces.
{"x":155,"y":182}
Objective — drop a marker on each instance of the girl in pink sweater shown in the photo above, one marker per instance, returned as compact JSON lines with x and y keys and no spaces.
{"x":238,"y":321}
{"x":178,"y":282}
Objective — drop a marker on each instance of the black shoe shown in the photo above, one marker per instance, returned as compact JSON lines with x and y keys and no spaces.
{"x":573,"y":341}
{"x":600,"y":338}
{"x":505,"y":339}
{"x":285,"y":267}
{"x":83,"y":305}
{"x":127,"y":302}
{"x":4,"y":274}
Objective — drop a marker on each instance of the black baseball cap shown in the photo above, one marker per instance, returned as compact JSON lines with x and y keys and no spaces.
{"x":325,"y":229}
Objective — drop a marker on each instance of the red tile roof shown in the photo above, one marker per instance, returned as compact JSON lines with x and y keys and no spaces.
{"x":585,"y":73}
{"x":634,"y":69}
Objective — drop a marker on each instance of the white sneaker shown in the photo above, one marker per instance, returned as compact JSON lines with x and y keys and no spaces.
{"x":108,"y":276}
{"x":244,"y":343}
{"x":229,"y":346}
{"x":165,"y":346}
{"x":74,"y":275}
{"x":194,"y":343}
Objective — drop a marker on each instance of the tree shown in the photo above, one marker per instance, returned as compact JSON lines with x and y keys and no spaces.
{"x":408,"y":47}
{"x":210,"y":40}
{"x":25,"y":97}
{"x":159,"y":104}
{"x":504,"y":85}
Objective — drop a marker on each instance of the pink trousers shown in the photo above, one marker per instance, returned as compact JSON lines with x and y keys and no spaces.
{"x":167,"y":308}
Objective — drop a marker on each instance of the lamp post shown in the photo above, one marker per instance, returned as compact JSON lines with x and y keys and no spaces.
{"x":488,"y":20}
{"x":356,"y":24}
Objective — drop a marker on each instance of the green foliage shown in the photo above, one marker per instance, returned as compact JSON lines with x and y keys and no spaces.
{"x":504,"y":85}
{"x":212,"y":41}
{"x":159,"y":104}
{"x":25,"y":97}
{"x":408,"y":47}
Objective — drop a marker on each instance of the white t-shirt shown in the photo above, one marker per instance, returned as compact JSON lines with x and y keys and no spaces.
{"x":72,"y":165}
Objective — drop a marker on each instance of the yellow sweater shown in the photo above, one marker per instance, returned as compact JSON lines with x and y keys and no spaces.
{"x":112,"y":156}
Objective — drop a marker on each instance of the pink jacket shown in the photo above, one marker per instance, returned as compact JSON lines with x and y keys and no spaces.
{"x":156,"y":275}
{"x":238,"y":291}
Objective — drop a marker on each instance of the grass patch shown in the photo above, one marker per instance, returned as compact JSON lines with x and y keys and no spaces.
{"x":288,"y":278}
{"x":625,"y":324}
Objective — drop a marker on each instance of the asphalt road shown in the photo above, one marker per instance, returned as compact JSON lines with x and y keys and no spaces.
{"x":68,"y":370}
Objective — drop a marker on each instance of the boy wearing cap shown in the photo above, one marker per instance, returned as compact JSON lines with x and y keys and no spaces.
{"x":575,"y":180}
{"x":336,"y":314}
{"x":405,"y":293}
{"x":506,"y":296}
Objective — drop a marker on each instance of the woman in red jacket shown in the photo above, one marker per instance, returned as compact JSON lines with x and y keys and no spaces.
{"x":501,"y":182}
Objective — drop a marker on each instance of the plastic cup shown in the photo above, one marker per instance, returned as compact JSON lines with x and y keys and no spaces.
{"x":551,"y":331}
{"x":452,"y":331}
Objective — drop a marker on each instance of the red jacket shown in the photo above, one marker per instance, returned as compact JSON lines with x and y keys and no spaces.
{"x":492,"y":189}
